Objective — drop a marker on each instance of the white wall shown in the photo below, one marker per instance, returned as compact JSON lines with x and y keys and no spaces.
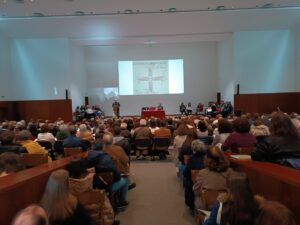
{"x":5,"y":81}
{"x":40,"y":68}
{"x":78,"y":75}
{"x":225,"y":69}
{"x":264,"y":61}
{"x":200,"y":71}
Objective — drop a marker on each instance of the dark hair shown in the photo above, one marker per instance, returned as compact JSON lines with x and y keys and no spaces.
{"x":163,"y":123}
{"x":241,"y":125}
{"x":202,"y":126}
{"x":98,"y":145}
{"x":281,"y":125}
{"x":44,"y":128}
{"x":182,"y":129}
{"x":215,"y":160}
{"x":10,"y":162}
{"x":241,"y":207}
{"x":117,"y":130}
{"x":224,"y":126}
{"x":152,"y":123}
{"x":272,"y":212}
{"x":77,"y":167}
{"x":7,"y":137}
{"x":72,"y":130}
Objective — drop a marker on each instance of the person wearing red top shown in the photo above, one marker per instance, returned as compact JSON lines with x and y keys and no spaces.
{"x":241,"y":137}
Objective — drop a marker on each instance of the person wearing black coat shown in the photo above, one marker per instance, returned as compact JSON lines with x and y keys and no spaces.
{"x":195,"y":163}
{"x":7,"y":145}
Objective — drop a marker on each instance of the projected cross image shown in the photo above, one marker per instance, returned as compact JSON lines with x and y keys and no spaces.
{"x":150,"y":77}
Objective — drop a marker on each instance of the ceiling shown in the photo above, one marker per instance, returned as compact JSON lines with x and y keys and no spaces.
{"x":103,"y":22}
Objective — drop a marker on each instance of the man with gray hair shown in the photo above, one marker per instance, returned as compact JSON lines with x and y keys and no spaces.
{"x":142,"y":132}
{"x":195,"y":163}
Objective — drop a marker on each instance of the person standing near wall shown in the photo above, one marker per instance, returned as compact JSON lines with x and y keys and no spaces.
{"x":116,"y":108}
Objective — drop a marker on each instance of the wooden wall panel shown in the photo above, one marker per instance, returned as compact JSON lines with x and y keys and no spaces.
{"x":39,"y":109}
{"x":268,"y":102}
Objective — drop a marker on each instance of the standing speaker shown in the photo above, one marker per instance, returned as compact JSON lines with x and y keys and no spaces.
{"x":218,"y":98}
{"x":238,"y":89}
{"x":86,"y":100}
{"x":67,"y":94}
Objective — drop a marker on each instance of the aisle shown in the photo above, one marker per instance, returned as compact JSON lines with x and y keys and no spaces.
{"x":158,"y":197}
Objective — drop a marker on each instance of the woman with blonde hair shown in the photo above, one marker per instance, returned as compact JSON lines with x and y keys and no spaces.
{"x":62,"y":207}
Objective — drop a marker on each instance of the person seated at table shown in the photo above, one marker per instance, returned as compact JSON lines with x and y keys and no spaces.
{"x":31,"y":215}
{"x":195,"y":163}
{"x":182,"y":109}
{"x":214,"y":176}
{"x":238,"y":206}
{"x":6,"y":138}
{"x":72,"y":141}
{"x":45,"y":135}
{"x":160,"y":107}
{"x":32,"y":147}
{"x":241,"y":136}
{"x":189,"y":109}
{"x":282,"y":146}
{"x":142,"y":132}
{"x":62,"y":207}
{"x":10,"y":163}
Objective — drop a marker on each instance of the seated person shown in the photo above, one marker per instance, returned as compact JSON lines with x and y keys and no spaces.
{"x":72,"y":141}
{"x":121,"y":141}
{"x":84,"y":133}
{"x":163,"y":131}
{"x":61,"y":206}
{"x":282,"y":146}
{"x":44,"y":135}
{"x":81,"y":181}
{"x":259,"y":130}
{"x":224,"y":130}
{"x":182,"y":108}
{"x":160,"y":107}
{"x":103,"y":162}
{"x":202,"y":130}
{"x":189,"y":109}
{"x":142,"y":132}
{"x":63,"y":132}
{"x":214,"y":176}
{"x":240,"y":137}
{"x":32,"y":147}
{"x":195,"y":163}
{"x":237,"y":207}
{"x":31,"y":215}
{"x":10,"y":163}
{"x":7,"y":145}
{"x":153,"y":125}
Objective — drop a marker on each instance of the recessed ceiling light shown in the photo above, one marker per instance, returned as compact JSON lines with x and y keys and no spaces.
{"x":172,"y":9}
{"x":220,"y":7}
{"x":38,"y":14}
{"x":128,"y":11}
{"x":79,"y":13}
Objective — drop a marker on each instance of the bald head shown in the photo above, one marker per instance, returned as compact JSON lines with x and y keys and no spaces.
{"x":107,"y":139}
{"x":31,"y":215}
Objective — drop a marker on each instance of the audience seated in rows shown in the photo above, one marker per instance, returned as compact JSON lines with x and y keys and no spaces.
{"x":195,"y":163}
{"x":32,"y":147}
{"x":45,"y":135}
{"x":240,"y":137}
{"x":214,"y":176}
{"x":10,"y":163}
{"x":7,"y":145}
{"x":62,"y":207}
{"x":73,"y":141}
{"x":81,"y":180}
{"x":283,"y":146}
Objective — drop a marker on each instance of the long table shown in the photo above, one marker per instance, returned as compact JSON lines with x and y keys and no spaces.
{"x":274,"y":182}
{"x":23,"y":188}
{"x":155,"y":113}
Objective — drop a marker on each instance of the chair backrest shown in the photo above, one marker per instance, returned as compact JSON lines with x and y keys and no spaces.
{"x":93,"y":201}
{"x":31,"y":160}
{"x":246,"y":150}
{"x":72,"y":151}
{"x":194,"y":174}
{"x":58,"y":147}
{"x":108,"y":177}
{"x":46,"y":144}
{"x":209,"y":197}
{"x":143,"y":143}
{"x":161,"y":143}
{"x":186,"y":159}
{"x":207,"y":140}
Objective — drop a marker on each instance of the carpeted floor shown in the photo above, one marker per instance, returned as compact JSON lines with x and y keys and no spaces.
{"x":158,"y":197}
